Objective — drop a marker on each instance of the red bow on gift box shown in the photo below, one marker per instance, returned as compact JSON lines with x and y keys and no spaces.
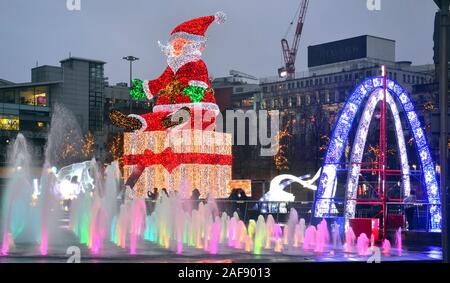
{"x":171,"y":160}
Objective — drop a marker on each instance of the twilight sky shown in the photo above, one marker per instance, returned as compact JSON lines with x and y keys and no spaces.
{"x":45,"y":31}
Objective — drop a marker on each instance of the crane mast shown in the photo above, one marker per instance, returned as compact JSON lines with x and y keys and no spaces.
{"x":290,"y":53}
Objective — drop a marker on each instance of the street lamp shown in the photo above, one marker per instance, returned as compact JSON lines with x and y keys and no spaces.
{"x":131,"y":59}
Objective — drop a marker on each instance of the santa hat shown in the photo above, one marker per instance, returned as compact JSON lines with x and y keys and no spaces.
{"x":195,"y":29}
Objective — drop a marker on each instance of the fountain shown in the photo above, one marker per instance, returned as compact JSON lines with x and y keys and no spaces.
{"x":260,"y":235}
{"x":322,"y":236}
{"x":20,"y":219}
{"x":386,"y":247}
{"x":32,"y":214}
{"x":398,"y":241}
{"x":362,"y":245}
{"x":290,"y":229}
{"x":310,"y":238}
{"x":336,"y":236}
{"x":350,"y":239}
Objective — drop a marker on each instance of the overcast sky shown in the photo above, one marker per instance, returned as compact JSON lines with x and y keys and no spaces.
{"x":45,"y":31}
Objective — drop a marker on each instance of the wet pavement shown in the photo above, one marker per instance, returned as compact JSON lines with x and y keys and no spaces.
{"x":151,"y":253}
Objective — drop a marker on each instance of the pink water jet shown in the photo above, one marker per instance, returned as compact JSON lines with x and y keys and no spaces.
{"x":322,"y":236}
{"x":350,"y":239}
{"x":398,"y":241}
{"x":309,"y":241}
{"x":386,"y":247}
{"x":362,"y":245}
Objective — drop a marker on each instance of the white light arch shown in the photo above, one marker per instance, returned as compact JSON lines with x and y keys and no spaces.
{"x":359,"y":145}
{"x":324,"y":203}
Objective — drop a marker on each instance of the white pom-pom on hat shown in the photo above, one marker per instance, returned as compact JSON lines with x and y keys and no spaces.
{"x":220,"y":17}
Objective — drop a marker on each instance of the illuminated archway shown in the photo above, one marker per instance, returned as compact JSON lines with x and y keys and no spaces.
{"x":359,"y":144}
{"x":324,"y":204}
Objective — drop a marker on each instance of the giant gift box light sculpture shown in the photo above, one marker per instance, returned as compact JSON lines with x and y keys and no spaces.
{"x":324,"y":205}
{"x":176,"y":146}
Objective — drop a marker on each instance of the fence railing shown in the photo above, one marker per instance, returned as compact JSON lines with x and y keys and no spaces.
{"x":408,"y":216}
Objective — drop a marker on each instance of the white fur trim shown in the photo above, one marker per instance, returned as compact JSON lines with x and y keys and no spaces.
{"x":142,"y":120}
{"x":147,"y":91}
{"x":188,"y":36}
{"x":175,"y":107}
{"x":198,"y":83}
{"x":220,"y":17}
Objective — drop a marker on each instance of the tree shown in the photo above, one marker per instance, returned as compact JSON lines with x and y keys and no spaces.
{"x":285,"y":137}
{"x":88,"y":145}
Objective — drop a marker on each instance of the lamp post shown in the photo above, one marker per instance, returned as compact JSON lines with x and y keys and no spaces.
{"x":443,"y":105}
{"x":131,"y":59}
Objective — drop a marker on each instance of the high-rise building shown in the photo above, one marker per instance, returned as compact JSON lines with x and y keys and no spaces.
{"x":78,"y":84}
{"x":310,"y":104}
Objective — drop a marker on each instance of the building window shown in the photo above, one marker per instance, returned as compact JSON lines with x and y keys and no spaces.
{"x":9,"y":123}
{"x":303,"y":100}
{"x":8,"y":96}
{"x":332,"y":97}
{"x":293,"y":101}
{"x":34,"y":96}
{"x":27,"y":96}
{"x":40,"y":94}
{"x":342,"y":96}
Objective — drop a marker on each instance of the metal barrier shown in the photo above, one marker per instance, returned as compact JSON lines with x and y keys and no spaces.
{"x":408,"y":216}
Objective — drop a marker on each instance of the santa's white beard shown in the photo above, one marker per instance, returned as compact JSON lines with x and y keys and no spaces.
{"x":176,"y":63}
{"x":190,"y":53}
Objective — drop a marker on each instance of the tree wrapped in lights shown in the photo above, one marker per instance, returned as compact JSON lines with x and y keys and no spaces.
{"x":284,"y":140}
{"x":88,"y":145}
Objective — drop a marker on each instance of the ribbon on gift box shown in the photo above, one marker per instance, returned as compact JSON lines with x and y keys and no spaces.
{"x":171,"y":160}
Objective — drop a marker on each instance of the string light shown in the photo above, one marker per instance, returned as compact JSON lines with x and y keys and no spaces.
{"x":137,"y":92}
{"x":125,"y":122}
{"x":326,"y":189}
{"x":245,"y":185}
{"x":174,"y":160}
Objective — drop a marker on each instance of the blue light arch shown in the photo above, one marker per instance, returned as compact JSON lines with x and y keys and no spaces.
{"x":324,"y":201}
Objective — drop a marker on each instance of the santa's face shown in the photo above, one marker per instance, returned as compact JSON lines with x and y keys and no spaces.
{"x":180,"y":47}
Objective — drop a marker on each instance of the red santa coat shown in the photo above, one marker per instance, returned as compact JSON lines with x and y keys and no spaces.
{"x":191,"y":73}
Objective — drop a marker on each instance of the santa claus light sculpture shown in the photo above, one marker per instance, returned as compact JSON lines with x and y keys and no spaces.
{"x":176,"y":146}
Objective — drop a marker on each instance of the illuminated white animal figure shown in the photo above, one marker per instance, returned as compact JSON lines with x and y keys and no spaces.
{"x":276,"y":191}
{"x":75,"y":178}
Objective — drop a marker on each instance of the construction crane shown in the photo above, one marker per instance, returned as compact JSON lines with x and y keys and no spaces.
{"x":290,"y":53}
{"x":238,"y":74}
